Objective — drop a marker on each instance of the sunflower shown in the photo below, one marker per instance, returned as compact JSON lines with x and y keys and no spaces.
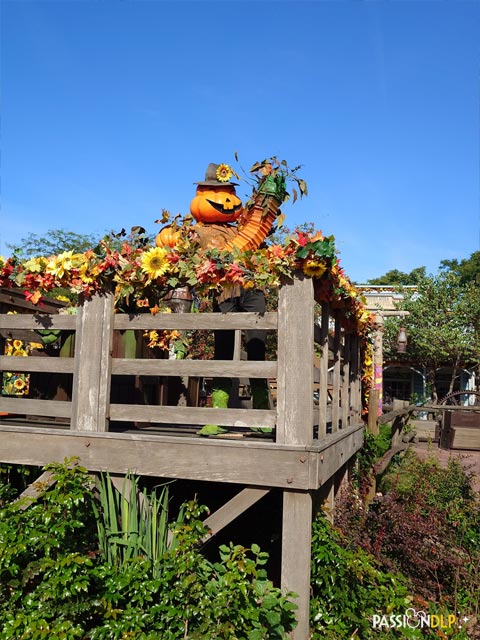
{"x":224,"y":173}
{"x":313,"y":268}
{"x":19,"y":384}
{"x":154,"y":262}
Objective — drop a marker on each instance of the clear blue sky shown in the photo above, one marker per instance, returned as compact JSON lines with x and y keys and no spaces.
{"x":111,"y":109}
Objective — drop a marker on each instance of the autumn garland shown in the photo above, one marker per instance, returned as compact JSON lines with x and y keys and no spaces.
{"x":142,"y":276}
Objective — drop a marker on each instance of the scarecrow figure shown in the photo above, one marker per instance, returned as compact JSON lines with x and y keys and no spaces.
{"x":215,"y":207}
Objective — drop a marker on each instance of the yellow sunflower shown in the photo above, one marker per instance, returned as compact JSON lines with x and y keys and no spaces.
{"x":19,"y":384}
{"x":224,"y":173}
{"x":313,"y":268}
{"x":154,"y":262}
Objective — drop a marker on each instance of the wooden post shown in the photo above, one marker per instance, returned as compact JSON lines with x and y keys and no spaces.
{"x":295,"y":426}
{"x":323,"y":373}
{"x":296,"y":555}
{"x":93,"y":361}
{"x":295,"y":362}
{"x":336,"y":372}
{"x":345,"y":392}
{"x":373,"y":412}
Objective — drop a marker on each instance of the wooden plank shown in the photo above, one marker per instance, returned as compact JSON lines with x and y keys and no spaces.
{"x":338,"y":449}
{"x":337,"y":362}
{"x":296,"y":555}
{"x":232,"y":509}
{"x":193,"y":415}
{"x":207,"y":321}
{"x":23,"y":406}
{"x":40,"y":365}
{"x":37,"y":321}
{"x":36,"y":489}
{"x":257,"y":464}
{"x":466,"y":438}
{"x":295,"y":362}
{"x":203,"y":368}
{"x":93,"y":350}
{"x":373,"y":411}
{"x":323,"y":373}
{"x":391,"y":415}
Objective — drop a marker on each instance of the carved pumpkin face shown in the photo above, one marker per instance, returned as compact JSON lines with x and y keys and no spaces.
{"x":216,"y":204}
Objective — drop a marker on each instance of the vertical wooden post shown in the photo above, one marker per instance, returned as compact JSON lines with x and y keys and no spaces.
{"x":336,"y":373}
{"x":295,"y":362}
{"x":296,"y":555}
{"x":346,"y":398}
{"x":356,"y":380}
{"x":373,"y":412}
{"x":323,"y":373}
{"x":93,"y":359}
{"x":295,"y":426}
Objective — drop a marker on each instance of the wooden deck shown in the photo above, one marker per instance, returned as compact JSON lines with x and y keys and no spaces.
{"x":309,"y":450}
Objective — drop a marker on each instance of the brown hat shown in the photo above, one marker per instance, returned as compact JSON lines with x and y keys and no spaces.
{"x":212,"y":180}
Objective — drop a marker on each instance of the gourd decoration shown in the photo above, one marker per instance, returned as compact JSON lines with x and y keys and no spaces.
{"x":167,"y":237}
{"x":216,"y":200}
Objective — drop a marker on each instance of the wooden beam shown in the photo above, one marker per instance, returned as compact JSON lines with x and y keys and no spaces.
{"x":339,"y":448}
{"x":37,"y":321}
{"x":41,"y":365}
{"x":36,"y":489}
{"x":259,"y":464}
{"x":206,"y":321}
{"x":192,"y":415}
{"x":201,"y":368}
{"x":24,"y":406}
{"x":232,"y":509}
{"x":296,"y":555}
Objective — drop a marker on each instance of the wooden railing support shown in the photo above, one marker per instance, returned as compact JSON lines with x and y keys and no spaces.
{"x":295,"y":426}
{"x":93,"y":363}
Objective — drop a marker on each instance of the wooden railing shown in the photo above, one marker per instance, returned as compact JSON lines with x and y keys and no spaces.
{"x":336,"y":381}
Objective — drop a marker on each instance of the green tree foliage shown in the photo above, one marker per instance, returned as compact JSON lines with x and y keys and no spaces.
{"x":399,"y":278}
{"x":55,"y":241}
{"x":468,"y":269}
{"x":442,"y":325}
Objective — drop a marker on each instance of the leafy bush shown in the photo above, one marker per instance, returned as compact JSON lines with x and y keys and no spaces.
{"x":56,"y":584}
{"x":424,"y":524}
{"x":349,"y":587}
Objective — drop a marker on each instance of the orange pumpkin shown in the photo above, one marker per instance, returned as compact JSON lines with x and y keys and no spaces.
{"x":216,"y":204}
{"x":167,"y":237}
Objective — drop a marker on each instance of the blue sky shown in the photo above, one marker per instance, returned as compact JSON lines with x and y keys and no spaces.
{"x":112,"y":109}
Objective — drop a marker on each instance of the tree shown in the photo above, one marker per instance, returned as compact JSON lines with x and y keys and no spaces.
{"x":54,"y":242}
{"x":397,"y":278}
{"x":468,"y":269}
{"x":443,"y":326}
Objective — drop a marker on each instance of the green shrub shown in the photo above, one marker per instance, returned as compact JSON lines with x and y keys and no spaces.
{"x":56,"y":584}
{"x":349,"y":587}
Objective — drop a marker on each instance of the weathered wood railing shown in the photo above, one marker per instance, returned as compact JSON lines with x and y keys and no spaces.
{"x":300,"y":459}
{"x":93,"y":367}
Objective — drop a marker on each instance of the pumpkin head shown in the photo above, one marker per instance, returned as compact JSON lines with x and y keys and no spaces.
{"x":216,"y":204}
{"x":167,"y":237}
